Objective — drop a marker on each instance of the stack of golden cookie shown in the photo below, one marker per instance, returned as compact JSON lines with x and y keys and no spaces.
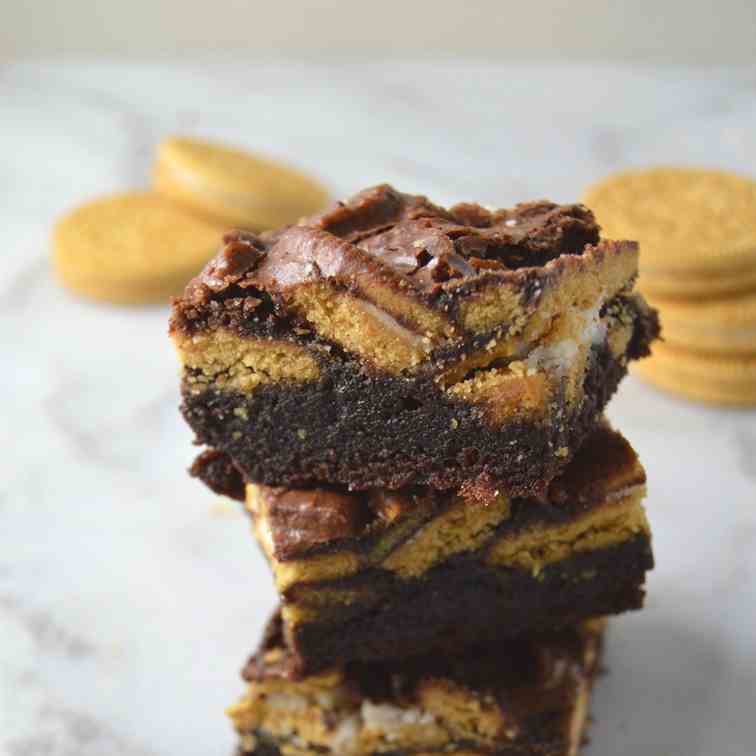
{"x":143,"y":246}
{"x":697,"y":233}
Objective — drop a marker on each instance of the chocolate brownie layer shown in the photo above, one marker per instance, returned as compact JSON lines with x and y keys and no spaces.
{"x":513,"y":698}
{"x":384,"y":573}
{"x":367,"y":431}
{"x":391,"y":342}
{"x":456,"y":604}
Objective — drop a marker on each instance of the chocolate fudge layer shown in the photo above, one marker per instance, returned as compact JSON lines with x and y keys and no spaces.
{"x":390,"y":342}
{"x":381,"y":574}
{"x":524,"y":697}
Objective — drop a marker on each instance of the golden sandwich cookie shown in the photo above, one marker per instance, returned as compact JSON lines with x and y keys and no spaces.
{"x":233,"y":186}
{"x":133,"y":248}
{"x":713,"y":379}
{"x":720,"y":326}
{"x":696,"y":228}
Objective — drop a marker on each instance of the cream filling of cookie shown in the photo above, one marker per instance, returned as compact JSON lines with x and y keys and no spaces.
{"x":362,"y":727}
{"x":558,"y":350}
{"x":190,"y":180}
{"x":575,"y":283}
{"x":696,"y":286}
{"x":525,"y":385}
{"x":554,"y":357}
{"x":522,"y":388}
{"x":586,"y":328}
{"x":720,"y":326}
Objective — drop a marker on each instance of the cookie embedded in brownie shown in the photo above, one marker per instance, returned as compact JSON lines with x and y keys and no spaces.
{"x":523,"y":697}
{"x":383,"y":574}
{"x":390,"y":342}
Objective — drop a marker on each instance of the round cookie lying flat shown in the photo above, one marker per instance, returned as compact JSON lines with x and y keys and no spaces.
{"x":718,"y":326}
{"x":696,"y":228}
{"x":134,"y":248}
{"x":707,"y":378}
{"x":234,"y":186}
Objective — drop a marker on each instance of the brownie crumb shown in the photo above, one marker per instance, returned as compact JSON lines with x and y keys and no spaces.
{"x":216,"y":470}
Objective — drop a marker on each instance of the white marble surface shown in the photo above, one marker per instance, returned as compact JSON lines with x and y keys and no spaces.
{"x":129,"y":596}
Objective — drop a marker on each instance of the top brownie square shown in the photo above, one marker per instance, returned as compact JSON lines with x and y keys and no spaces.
{"x":390,"y":342}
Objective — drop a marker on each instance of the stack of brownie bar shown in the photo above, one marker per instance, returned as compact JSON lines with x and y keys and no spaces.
{"x":409,"y":401}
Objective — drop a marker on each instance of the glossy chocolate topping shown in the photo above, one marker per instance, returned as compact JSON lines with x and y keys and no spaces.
{"x":382,"y":232}
{"x":301,"y":520}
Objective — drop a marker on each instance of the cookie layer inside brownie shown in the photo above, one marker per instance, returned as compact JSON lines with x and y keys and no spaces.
{"x":386,"y":573}
{"x":390,"y":342}
{"x":517,"y":697}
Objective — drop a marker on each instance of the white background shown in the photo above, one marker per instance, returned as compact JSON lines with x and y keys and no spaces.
{"x":129,"y":595}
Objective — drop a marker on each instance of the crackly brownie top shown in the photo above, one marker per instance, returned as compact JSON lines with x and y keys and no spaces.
{"x":381,"y":231}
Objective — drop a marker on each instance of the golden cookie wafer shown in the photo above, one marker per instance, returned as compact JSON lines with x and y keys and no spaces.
{"x":702,"y":377}
{"x":233,"y":186}
{"x":717,"y":326}
{"x":696,"y":288}
{"x":133,"y":248}
{"x":696,"y":228}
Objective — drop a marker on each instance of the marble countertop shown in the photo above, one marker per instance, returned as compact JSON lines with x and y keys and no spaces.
{"x":129,"y":595}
